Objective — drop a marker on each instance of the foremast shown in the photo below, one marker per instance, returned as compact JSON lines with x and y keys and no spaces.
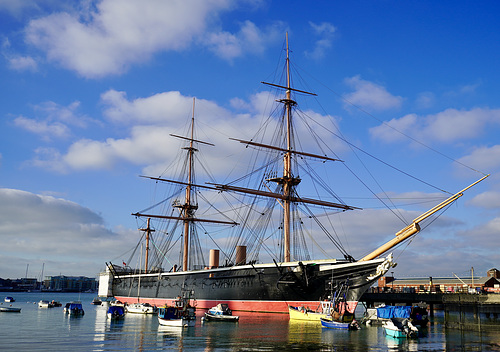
{"x":188,"y":208}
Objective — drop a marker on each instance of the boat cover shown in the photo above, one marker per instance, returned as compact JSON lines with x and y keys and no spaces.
{"x":388,"y":312}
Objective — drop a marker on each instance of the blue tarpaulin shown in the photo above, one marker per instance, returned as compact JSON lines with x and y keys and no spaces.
{"x":388,"y":312}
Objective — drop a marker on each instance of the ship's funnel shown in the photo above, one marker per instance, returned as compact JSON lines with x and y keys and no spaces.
{"x":214,"y":258}
{"x":241,"y":255}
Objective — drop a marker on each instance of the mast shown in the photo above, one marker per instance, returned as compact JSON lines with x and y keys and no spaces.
{"x":187,"y":208}
{"x":287,"y":165}
{"x":148,"y":231}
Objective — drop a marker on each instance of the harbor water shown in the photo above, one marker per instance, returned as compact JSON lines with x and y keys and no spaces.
{"x":42,"y":329}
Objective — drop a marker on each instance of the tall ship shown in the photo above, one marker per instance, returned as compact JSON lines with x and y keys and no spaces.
{"x":262,"y":262}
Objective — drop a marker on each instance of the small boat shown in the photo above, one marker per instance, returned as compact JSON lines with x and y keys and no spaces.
{"x":305,"y":313}
{"x":417,"y":314}
{"x":181,"y":314}
{"x":333,"y":324}
{"x":56,"y":303}
{"x":10,"y":309}
{"x":400,"y":328}
{"x":220,"y":312}
{"x":116,"y":312}
{"x":45,"y":304}
{"x":74,"y":308}
{"x":96,"y":301}
{"x":141,"y":308}
{"x":9,"y":299}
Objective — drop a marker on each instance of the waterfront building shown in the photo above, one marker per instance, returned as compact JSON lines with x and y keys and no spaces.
{"x":489,"y":283}
{"x":70,"y":283}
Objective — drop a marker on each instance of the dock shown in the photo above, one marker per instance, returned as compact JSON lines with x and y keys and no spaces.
{"x":461,"y":310}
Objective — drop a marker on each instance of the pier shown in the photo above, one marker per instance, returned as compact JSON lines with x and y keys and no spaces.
{"x":461,"y":310}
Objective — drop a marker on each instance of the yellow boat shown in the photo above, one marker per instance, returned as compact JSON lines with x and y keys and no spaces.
{"x":303,"y":313}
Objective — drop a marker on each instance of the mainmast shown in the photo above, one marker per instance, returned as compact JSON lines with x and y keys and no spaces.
{"x":187,"y":209}
{"x":287,"y":165}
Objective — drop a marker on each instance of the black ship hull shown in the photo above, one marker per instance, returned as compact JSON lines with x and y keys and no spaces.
{"x":260,"y":287}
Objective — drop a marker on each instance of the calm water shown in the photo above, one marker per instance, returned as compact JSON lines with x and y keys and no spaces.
{"x":36,"y":329}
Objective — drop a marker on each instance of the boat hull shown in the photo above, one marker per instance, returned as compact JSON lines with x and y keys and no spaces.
{"x":221,"y":317}
{"x":330,"y":324}
{"x":10,"y":310}
{"x":182,"y":322}
{"x":254,"y":288}
{"x":303,"y":314}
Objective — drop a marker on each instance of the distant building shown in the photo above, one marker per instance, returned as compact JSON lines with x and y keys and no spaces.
{"x":70,"y":283}
{"x":490,"y":283}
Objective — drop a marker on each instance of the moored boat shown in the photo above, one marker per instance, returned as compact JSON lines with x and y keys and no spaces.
{"x":96,"y":301}
{"x":289,"y":277}
{"x":9,"y":299}
{"x":74,"y":308}
{"x":181,"y":314}
{"x":45,"y":304}
{"x":220,"y":312}
{"x":333,"y":324}
{"x":400,"y":328}
{"x":10,"y":309}
{"x":306,"y":313}
{"x":141,"y":308}
{"x":417,"y":314}
{"x":116,"y":312}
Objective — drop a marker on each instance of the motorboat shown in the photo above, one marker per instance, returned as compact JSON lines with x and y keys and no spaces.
{"x":400,"y":328}
{"x":74,"y":308}
{"x":9,"y":299}
{"x":182,"y":314}
{"x":141,"y":308}
{"x":116,"y":312}
{"x":220,"y":312}
{"x":45,"y":304}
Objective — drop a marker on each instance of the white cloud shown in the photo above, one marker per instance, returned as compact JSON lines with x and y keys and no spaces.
{"x":447,"y":126}
{"x":120,"y":33}
{"x":426,"y":100}
{"x":370,"y":95}
{"x":54,"y":228}
{"x":326,"y":32}
{"x":117,"y":34}
{"x":483,"y":158}
{"x":44,"y":128}
{"x":488,"y":200}
{"x":249,"y":39}
{"x":23,"y":63}
{"x":54,"y":121}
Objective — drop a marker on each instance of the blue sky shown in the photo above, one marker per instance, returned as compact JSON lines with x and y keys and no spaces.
{"x":91,"y":89}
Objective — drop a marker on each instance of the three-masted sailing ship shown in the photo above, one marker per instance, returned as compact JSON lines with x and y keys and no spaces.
{"x":290,"y":277}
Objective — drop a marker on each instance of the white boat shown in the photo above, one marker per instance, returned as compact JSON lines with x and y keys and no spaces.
{"x":400,"y":328}
{"x":220,"y":312}
{"x":181,"y":314}
{"x":9,"y":299}
{"x":141,"y":308}
{"x":45,"y":304}
{"x":10,"y":309}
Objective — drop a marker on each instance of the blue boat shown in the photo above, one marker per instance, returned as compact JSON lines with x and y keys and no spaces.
{"x":9,"y":299}
{"x":333,"y":324}
{"x":74,"y":309}
{"x":116,"y":312}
